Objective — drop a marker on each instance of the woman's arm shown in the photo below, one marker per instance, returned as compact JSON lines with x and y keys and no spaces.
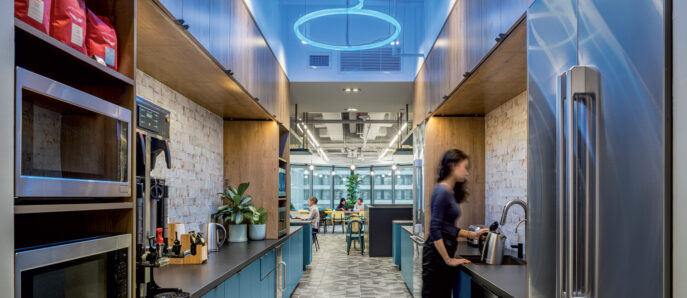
{"x":470,"y":234}
{"x":451,"y":261}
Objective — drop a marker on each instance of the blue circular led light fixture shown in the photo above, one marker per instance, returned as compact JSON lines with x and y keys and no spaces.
{"x":355,"y":10}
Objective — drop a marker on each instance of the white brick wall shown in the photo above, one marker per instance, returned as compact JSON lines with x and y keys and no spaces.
{"x":506,"y":164}
{"x":196,"y":148}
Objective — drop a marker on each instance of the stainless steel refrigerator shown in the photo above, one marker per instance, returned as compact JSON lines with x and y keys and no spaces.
{"x":597,"y":157}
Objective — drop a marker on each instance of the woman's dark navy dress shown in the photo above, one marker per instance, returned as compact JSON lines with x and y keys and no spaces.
{"x":437,"y":277}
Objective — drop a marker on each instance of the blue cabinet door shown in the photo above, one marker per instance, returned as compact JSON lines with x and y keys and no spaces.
{"x":396,"y":244}
{"x":292,"y":255}
{"x":268,"y":263}
{"x":407,"y":259}
{"x":232,"y":286}
{"x":461,"y":289}
{"x":268,"y":286}
{"x":250,"y":281}
{"x":307,"y":244}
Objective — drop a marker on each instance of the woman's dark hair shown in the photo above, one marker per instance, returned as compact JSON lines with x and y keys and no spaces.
{"x":452,"y":158}
{"x":313,"y":199}
{"x":342,"y":201}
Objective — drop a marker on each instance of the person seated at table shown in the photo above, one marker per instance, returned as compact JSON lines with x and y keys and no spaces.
{"x":314,"y":215}
{"x":359,"y":206}
{"x":342,"y":205}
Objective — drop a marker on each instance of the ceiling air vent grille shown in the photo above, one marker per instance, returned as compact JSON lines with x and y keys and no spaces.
{"x":379,"y":59}
{"x":319,"y":60}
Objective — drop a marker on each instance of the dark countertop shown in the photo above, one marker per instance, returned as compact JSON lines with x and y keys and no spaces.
{"x":300,"y":222}
{"x":198,"y":280}
{"x":502,"y":280}
{"x":391,"y":206}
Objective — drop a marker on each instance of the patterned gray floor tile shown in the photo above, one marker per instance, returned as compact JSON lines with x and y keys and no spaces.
{"x":333,"y":273}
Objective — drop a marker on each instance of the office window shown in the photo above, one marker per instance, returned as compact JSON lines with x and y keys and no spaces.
{"x":403,"y":186}
{"x":383,"y":186}
{"x":365,"y":185}
{"x":340,"y":179}
{"x":300,"y":186}
{"x":322,"y":186}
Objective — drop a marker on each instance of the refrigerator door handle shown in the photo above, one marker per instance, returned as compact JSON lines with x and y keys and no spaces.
{"x":561,"y":255}
{"x":582,"y":142}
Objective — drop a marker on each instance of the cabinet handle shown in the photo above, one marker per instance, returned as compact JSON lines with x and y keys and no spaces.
{"x":283,"y":275}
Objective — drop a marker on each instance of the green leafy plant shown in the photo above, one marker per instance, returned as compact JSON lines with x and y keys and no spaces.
{"x":258,"y":216}
{"x":352,"y":184}
{"x":237,"y":208}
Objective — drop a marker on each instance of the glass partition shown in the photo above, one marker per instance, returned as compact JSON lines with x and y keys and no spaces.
{"x":300,"y":186}
{"x":403,"y":186}
{"x":322,"y":187}
{"x":383,"y":186}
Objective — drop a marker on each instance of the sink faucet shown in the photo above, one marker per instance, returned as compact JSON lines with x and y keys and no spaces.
{"x":510,"y":204}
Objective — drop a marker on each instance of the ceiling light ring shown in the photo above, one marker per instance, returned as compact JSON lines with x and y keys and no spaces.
{"x":355,"y":10}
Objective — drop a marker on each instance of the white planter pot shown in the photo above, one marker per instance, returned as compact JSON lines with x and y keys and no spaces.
{"x":257,"y":232}
{"x":237,"y":233}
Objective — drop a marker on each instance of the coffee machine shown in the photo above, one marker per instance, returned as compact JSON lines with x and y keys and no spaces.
{"x":152,"y":139}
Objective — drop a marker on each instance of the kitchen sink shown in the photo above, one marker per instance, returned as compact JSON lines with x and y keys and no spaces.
{"x":507,"y":260}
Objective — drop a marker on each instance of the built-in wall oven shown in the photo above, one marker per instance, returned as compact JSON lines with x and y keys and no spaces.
{"x":68,"y":143}
{"x":94,"y":267}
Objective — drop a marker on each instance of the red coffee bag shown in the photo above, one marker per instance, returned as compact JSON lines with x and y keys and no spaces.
{"x":101,"y":40}
{"x":68,"y":23}
{"x":34,"y":12}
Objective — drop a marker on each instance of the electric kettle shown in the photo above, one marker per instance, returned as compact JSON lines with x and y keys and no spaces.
{"x":492,"y":244}
{"x":213,"y":241}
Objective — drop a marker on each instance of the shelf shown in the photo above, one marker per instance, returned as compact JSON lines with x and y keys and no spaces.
{"x":36,"y":47}
{"x":282,"y":160}
{"x":31,"y":209}
{"x":500,"y":76}
{"x":174,"y":57}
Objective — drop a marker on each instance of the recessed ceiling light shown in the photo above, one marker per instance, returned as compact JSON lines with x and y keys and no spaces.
{"x":356,"y":90}
{"x":347,"y":89}
{"x":351,"y":110}
{"x":352,"y":167}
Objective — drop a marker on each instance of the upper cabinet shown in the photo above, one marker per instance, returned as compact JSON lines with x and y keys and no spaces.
{"x":227,"y":31}
{"x":472,"y":31}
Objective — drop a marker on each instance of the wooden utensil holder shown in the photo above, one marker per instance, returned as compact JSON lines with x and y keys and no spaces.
{"x":201,"y":252}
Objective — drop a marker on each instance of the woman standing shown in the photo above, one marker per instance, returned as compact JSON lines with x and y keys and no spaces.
{"x":438,"y":263}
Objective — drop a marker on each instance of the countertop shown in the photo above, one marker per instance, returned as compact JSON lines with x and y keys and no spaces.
{"x":300,"y":222}
{"x":198,"y":280}
{"x":502,"y":280}
{"x":401,"y":222}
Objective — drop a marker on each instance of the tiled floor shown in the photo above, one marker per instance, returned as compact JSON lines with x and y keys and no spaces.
{"x":335,"y":274}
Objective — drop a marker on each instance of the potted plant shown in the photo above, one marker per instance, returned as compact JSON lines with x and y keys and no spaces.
{"x":352,"y":184}
{"x":235,"y":212}
{"x":258,"y":218}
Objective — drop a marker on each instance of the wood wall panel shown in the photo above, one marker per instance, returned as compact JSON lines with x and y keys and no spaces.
{"x":251,"y":151}
{"x":466,"y":134}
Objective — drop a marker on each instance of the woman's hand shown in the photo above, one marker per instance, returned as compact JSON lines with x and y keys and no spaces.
{"x":475,"y":235}
{"x":453,"y":262}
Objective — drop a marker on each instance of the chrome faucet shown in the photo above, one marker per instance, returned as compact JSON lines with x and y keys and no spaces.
{"x":510,"y":204}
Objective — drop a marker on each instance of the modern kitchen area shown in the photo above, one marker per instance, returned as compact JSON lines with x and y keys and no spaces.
{"x":299,"y":148}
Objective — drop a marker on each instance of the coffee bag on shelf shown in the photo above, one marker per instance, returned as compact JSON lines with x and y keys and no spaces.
{"x":68,"y":23}
{"x":101,"y":40}
{"x":34,"y":12}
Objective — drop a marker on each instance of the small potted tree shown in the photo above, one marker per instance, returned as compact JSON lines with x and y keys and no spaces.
{"x":235,"y":212}
{"x":352,"y":185}
{"x":257,"y":220}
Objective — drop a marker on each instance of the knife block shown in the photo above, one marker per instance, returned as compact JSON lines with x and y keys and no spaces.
{"x":201,"y":252}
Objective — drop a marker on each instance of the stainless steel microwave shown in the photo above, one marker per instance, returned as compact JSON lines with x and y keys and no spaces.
{"x":69,"y":143}
{"x":95,"y":267}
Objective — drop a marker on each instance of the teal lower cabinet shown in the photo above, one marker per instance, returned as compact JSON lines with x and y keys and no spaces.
{"x":307,"y":244}
{"x":461,"y":289}
{"x":292,"y":255}
{"x":396,"y":244}
{"x":407,"y":260}
{"x":257,"y":280}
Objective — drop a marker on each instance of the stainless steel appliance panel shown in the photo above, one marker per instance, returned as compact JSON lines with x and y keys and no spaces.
{"x":43,"y":257}
{"x":631,"y":152}
{"x":70,"y":175}
{"x":551,"y":50}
